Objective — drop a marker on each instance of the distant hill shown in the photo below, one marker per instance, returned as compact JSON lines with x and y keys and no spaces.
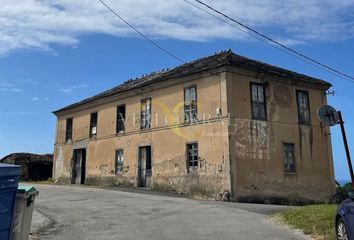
{"x":33,"y":166}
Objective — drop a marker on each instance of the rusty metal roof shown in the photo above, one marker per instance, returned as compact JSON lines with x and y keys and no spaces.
{"x":224,"y":58}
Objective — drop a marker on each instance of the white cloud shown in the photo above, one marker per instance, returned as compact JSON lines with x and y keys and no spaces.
{"x":72,"y":88}
{"x":34,"y":24}
{"x":40,"y":99}
{"x":10,"y":89}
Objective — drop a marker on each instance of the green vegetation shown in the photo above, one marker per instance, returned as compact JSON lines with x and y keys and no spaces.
{"x":316,"y":220}
{"x":342,"y":192}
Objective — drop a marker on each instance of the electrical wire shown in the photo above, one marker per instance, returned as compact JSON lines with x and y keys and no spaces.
{"x":252,"y":35}
{"x":141,"y":34}
{"x":260,"y":36}
{"x":246,"y":30}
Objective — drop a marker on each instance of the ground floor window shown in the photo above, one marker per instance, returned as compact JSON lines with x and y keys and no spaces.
{"x":289,"y":158}
{"x":192,"y":156}
{"x":119,"y":161}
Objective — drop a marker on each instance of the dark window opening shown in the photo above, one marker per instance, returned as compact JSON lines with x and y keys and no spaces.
{"x":93,"y":124}
{"x":258,"y":101}
{"x":69,"y":129}
{"x":148,"y":159}
{"x":303,"y":107}
{"x":190,"y":104}
{"x":145,"y":122}
{"x":289,"y":158}
{"x":192,"y":157}
{"x":121,"y":119}
{"x":119,"y":161}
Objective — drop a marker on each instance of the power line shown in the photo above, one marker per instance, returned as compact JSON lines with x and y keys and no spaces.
{"x":257,"y":37}
{"x":268,"y":40}
{"x":141,"y":34}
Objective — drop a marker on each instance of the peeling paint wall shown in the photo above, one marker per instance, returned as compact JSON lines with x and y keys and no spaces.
{"x":243,"y":156}
{"x":167,"y":140}
{"x":256,"y":147}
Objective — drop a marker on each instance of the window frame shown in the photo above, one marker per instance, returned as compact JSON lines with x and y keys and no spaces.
{"x":120,"y":122}
{"x":145,"y":123}
{"x":193,"y":108}
{"x":119,"y":165}
{"x":92,"y":124}
{"x":285,"y":151}
{"x":300,"y":111}
{"x":67,"y":138}
{"x":257,"y":102}
{"x":194,"y":167}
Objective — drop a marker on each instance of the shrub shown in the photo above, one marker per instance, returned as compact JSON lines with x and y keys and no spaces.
{"x":342,"y":193}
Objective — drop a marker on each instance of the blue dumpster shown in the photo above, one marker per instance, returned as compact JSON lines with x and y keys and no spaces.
{"x":9,"y":177}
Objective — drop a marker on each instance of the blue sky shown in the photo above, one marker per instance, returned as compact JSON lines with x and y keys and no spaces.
{"x":55,"y":54}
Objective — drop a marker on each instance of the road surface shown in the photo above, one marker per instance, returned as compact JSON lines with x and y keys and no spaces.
{"x":94,"y":213}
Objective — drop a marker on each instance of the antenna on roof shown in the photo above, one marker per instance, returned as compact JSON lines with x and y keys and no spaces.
{"x":329,"y":93}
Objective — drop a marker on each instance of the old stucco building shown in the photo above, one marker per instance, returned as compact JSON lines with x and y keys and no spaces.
{"x":223,"y":122}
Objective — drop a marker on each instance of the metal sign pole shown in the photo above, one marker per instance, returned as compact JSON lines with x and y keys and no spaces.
{"x":341,"y":123}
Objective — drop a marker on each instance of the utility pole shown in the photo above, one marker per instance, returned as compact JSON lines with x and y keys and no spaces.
{"x":341,"y":123}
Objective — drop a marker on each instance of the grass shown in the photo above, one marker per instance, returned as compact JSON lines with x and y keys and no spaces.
{"x":316,"y":220}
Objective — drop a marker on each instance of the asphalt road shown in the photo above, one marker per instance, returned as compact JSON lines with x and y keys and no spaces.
{"x":93,"y":213}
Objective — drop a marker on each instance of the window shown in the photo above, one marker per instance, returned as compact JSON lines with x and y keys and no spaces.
{"x":121,"y":119}
{"x":303,"y":107}
{"x":93,"y":124}
{"x":119,"y":161}
{"x":289,"y":158}
{"x":258,"y":101}
{"x":190,"y":104}
{"x":69,"y":129}
{"x":145,"y":121}
{"x":192,"y":156}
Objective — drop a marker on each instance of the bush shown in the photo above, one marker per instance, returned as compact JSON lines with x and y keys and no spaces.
{"x":342,"y":193}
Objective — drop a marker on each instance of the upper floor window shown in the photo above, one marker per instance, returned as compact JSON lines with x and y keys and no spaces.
{"x":192,"y":156}
{"x":289,"y":158}
{"x":69,"y":129}
{"x":93,"y":124}
{"x":258,"y":101}
{"x":190,"y":104}
{"x":303,"y":107}
{"x":145,"y":121}
{"x":119,"y":161}
{"x":121,"y":119}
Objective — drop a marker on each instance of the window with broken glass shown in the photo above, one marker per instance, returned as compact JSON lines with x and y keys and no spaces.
{"x":289,"y":158}
{"x":190,"y":104}
{"x":258,"y":101}
{"x":119,"y":161}
{"x":145,"y":118}
{"x":303,"y":107}
{"x":93,"y":124}
{"x":120,"y":119}
{"x":69,"y":129}
{"x":192,"y":156}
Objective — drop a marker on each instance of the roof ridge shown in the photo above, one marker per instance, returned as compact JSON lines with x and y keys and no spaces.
{"x":218,"y":59}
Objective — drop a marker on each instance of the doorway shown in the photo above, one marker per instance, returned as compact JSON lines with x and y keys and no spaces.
{"x":79,"y":166}
{"x":144,"y":166}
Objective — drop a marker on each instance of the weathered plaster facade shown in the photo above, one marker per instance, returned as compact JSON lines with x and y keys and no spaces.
{"x":236,"y":153}
{"x":256,"y":146}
